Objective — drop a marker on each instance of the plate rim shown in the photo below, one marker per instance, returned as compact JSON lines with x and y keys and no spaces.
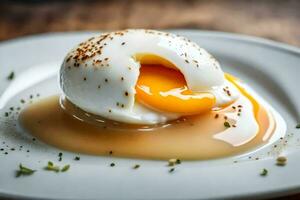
{"x":207,"y":33}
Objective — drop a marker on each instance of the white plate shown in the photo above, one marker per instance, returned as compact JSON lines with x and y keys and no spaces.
{"x":272,"y":69}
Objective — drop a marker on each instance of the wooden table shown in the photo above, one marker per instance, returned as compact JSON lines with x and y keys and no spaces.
{"x":277,"y":20}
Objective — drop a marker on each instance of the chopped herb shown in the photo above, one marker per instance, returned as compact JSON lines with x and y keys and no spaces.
{"x":112,"y":164}
{"x":281,"y":161}
{"x":6,"y":114}
{"x":77,"y":158}
{"x":298,"y":125}
{"x":24,"y":171}
{"x":11,"y":76}
{"x":264,"y":172}
{"x":136,"y":166}
{"x":226,"y":124}
{"x":65,"y":168}
{"x":52,"y":167}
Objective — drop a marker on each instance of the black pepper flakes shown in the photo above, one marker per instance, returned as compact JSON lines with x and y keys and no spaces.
{"x":136,"y":166}
{"x":171,"y":170}
{"x":77,"y":158}
{"x":11,"y":76}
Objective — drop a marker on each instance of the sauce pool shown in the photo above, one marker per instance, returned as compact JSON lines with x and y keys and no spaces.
{"x":188,"y":139}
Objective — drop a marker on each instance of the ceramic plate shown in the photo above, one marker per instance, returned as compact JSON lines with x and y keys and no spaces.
{"x":271,"y":68}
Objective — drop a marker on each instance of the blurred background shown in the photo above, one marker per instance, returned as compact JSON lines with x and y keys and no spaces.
{"x":274,"y":19}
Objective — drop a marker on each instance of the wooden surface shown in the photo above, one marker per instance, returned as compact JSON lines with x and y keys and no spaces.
{"x":278,"y":19}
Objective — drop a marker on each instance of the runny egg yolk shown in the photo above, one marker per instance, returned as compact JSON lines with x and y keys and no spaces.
{"x":165,"y":89}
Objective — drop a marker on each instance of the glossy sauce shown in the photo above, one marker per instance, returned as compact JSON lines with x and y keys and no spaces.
{"x":190,"y":138}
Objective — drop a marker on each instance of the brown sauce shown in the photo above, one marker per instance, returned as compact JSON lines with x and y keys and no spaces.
{"x":189,"y":139}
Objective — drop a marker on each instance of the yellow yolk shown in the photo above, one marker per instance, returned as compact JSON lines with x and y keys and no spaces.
{"x":235,"y":81}
{"x":165,"y":89}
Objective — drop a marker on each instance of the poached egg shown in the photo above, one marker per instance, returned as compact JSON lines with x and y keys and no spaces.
{"x":144,"y":77}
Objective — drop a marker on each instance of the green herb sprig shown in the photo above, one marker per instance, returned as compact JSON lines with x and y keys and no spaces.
{"x":65,"y":168}
{"x":24,"y":171}
{"x":264,"y":172}
{"x":51,"y":167}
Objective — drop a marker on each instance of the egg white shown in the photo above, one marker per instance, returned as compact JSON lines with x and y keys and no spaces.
{"x":100,"y":74}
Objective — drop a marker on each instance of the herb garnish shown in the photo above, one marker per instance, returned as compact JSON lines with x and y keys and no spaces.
{"x":264,"y":172}
{"x":298,"y":125}
{"x":24,"y":171}
{"x":65,"y":168}
{"x":52,"y":167}
{"x":112,"y":164}
{"x":11,"y":76}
